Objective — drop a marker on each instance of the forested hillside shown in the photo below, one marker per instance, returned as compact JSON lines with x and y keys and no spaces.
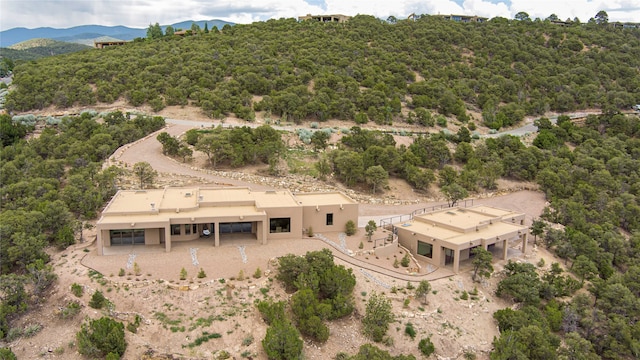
{"x":366,"y":70}
{"x":38,"y":48}
{"x":49,"y":186}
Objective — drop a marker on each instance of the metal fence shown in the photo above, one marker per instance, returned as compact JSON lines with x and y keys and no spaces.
{"x":387,"y":223}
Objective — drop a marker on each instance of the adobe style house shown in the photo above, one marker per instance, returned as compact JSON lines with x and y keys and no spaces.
{"x":446,"y":237}
{"x":166,"y":216}
{"x":464,"y":18}
{"x":325,"y":18}
{"x":105,"y":44}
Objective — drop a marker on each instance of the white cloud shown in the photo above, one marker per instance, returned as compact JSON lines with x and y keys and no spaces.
{"x":140,"y":13}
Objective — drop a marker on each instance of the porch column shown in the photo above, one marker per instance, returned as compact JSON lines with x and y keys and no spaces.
{"x":505,"y":248}
{"x":99,"y":240}
{"x":167,"y":238}
{"x":456,"y":260}
{"x":262,"y":232}
{"x":483,"y":242}
{"x":524,"y":243}
{"x":216,"y":234}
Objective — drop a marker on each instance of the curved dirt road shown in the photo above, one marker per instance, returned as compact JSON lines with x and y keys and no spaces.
{"x":150,"y":150}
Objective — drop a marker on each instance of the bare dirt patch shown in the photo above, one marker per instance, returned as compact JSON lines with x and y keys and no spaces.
{"x":176,"y":312}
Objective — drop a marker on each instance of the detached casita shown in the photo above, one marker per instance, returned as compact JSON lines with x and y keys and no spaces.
{"x":164,"y":216}
{"x":445,"y":237}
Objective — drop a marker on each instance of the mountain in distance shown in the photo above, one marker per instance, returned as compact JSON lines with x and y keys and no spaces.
{"x":85,"y":34}
{"x":36,"y":48}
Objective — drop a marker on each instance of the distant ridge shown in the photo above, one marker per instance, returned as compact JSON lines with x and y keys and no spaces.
{"x":85,"y":34}
{"x":33,"y":49}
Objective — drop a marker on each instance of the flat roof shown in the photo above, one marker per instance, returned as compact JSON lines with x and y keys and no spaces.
{"x":497,"y":229}
{"x":459,"y":218}
{"x":134,"y":201}
{"x":198,"y":215}
{"x":226,"y":195}
{"x":329,"y":198}
{"x":272,"y":199}
{"x":191,"y":198}
{"x":463,"y":225}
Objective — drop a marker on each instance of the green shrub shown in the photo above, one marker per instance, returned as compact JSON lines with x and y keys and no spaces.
{"x":121,"y":272}
{"x":71,"y":310}
{"x":136,"y":269}
{"x":350,"y":228}
{"x":7,"y":354}
{"x":361,"y":245}
{"x":406,"y":303}
{"x":31,"y":330}
{"x":257,"y":274}
{"x":426,"y":346}
{"x":201,"y":274}
{"x":405,"y":260}
{"x":272,"y":312}
{"x":247,"y":340}
{"x":98,"y":301}
{"x":183,"y":274}
{"x":133,"y":327}
{"x":77,"y":290}
{"x":396,"y":263}
{"x":464,"y":296}
{"x":282,"y":341}
{"x":378,"y":316}
{"x":102,"y":338}
{"x":409,"y":330}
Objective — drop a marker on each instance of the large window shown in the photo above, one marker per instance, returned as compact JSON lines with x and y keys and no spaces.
{"x":187,"y":229}
{"x":280,"y":225}
{"x":233,"y":228}
{"x":127,"y":237}
{"x":425,"y":249}
{"x":175,"y":229}
{"x":329,"y":219}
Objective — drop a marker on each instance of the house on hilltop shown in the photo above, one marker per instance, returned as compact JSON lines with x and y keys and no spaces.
{"x":446,"y":237}
{"x":325,"y":18}
{"x":103,"y":43}
{"x":464,"y":18}
{"x":163,"y":216}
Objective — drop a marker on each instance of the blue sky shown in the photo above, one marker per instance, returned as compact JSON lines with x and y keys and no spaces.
{"x":141,"y":13}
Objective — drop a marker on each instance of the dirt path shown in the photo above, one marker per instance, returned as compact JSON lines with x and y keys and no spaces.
{"x":150,"y":150}
{"x":454,"y":325}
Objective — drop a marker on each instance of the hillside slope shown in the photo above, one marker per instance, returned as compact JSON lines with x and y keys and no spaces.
{"x":38,"y":48}
{"x":365,"y":70}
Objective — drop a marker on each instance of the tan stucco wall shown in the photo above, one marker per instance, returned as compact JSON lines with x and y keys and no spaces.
{"x":316,"y":217}
{"x":152,"y":236}
{"x":410,"y":241}
{"x":295,"y":214}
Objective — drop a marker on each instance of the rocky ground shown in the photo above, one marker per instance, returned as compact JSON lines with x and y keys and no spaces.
{"x":175,"y":312}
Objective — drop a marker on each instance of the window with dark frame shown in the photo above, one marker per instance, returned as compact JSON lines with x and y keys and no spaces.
{"x":187,"y":229}
{"x":329,"y":219}
{"x":425,"y":249}
{"x":175,"y":229}
{"x":280,"y":225}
